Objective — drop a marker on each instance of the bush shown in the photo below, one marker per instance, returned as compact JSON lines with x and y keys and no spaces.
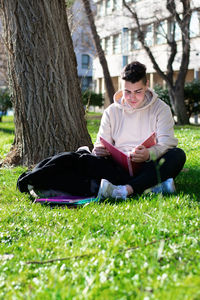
{"x":162,"y":93}
{"x":5,"y":102}
{"x":90,"y":98}
{"x":192,"y":97}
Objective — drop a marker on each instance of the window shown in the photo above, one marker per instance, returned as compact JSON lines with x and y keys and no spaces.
{"x":116,"y":44}
{"x":86,"y":83}
{"x":195,"y":24}
{"x":124,"y":60}
{"x":108,"y":45}
{"x":161,"y":32}
{"x":178,"y":33}
{"x":100,"y":8}
{"x":125,"y":41}
{"x":149,"y":36}
{"x":135,"y":44}
{"x":102,"y":43}
{"x":132,"y":1}
{"x":115,"y":5}
{"x":85,"y":61}
{"x":174,"y":28}
{"x":108,"y":7}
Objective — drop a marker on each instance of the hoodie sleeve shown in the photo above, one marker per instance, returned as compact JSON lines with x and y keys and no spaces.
{"x":164,"y":132}
{"x":104,"y":129}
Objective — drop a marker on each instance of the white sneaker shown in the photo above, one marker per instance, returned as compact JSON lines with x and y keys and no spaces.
{"x":107,"y":189}
{"x":166,"y":186}
{"x":169,"y":186}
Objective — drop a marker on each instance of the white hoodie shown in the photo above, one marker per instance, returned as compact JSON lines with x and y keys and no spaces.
{"x":127,"y":127}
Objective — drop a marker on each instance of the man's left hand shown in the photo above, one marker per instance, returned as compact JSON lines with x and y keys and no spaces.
{"x":140,"y":154}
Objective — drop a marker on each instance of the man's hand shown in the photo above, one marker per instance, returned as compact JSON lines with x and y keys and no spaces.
{"x":100,"y":151}
{"x":140,"y":154}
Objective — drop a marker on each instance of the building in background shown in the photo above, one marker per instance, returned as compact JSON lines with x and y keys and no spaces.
{"x":82,"y":41}
{"x":117,"y":30}
{"x":83,"y":44}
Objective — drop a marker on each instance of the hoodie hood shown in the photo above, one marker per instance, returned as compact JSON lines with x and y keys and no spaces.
{"x":149,"y":99}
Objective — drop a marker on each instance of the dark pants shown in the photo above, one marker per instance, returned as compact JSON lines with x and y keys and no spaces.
{"x":80,"y":173}
{"x":154,"y":172}
{"x":151,"y":173}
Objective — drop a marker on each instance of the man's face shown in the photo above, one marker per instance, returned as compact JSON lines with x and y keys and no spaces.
{"x":134,"y":93}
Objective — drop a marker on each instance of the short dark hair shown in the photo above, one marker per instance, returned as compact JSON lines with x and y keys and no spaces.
{"x":134,"y":72}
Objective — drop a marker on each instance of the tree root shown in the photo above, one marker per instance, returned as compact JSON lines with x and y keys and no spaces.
{"x":13,"y":158}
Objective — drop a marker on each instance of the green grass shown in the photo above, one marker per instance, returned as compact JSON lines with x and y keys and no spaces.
{"x":93,"y":122}
{"x":6,"y":135}
{"x":143,"y":248}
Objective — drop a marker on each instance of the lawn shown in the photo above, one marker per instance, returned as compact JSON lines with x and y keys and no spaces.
{"x":146,"y":248}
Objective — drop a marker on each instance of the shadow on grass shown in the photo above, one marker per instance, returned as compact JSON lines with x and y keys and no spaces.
{"x":7,"y":131}
{"x":191,"y":126}
{"x":189,"y":182}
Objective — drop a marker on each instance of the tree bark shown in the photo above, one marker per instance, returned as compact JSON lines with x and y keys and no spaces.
{"x":108,"y":81}
{"x":177,"y":95}
{"x":48,"y":109}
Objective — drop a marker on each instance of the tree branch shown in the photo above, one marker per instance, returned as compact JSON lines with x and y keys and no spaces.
{"x":185,"y":31}
{"x":154,"y":241}
{"x":141,"y":38}
{"x":108,"y":81}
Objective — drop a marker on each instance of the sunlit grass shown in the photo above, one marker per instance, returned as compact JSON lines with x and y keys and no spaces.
{"x":6,"y":135}
{"x":93,"y":122}
{"x":144,"y":248}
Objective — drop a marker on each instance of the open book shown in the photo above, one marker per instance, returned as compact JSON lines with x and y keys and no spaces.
{"x":123,"y":159}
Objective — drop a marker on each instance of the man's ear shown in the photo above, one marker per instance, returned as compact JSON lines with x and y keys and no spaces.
{"x":147,"y":84}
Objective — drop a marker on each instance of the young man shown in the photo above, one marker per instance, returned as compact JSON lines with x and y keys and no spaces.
{"x":135,"y":114}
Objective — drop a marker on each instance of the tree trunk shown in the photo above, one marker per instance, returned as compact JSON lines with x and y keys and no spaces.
{"x":180,"y":108}
{"x":48,"y":109}
{"x":177,"y":94}
{"x":108,"y":81}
